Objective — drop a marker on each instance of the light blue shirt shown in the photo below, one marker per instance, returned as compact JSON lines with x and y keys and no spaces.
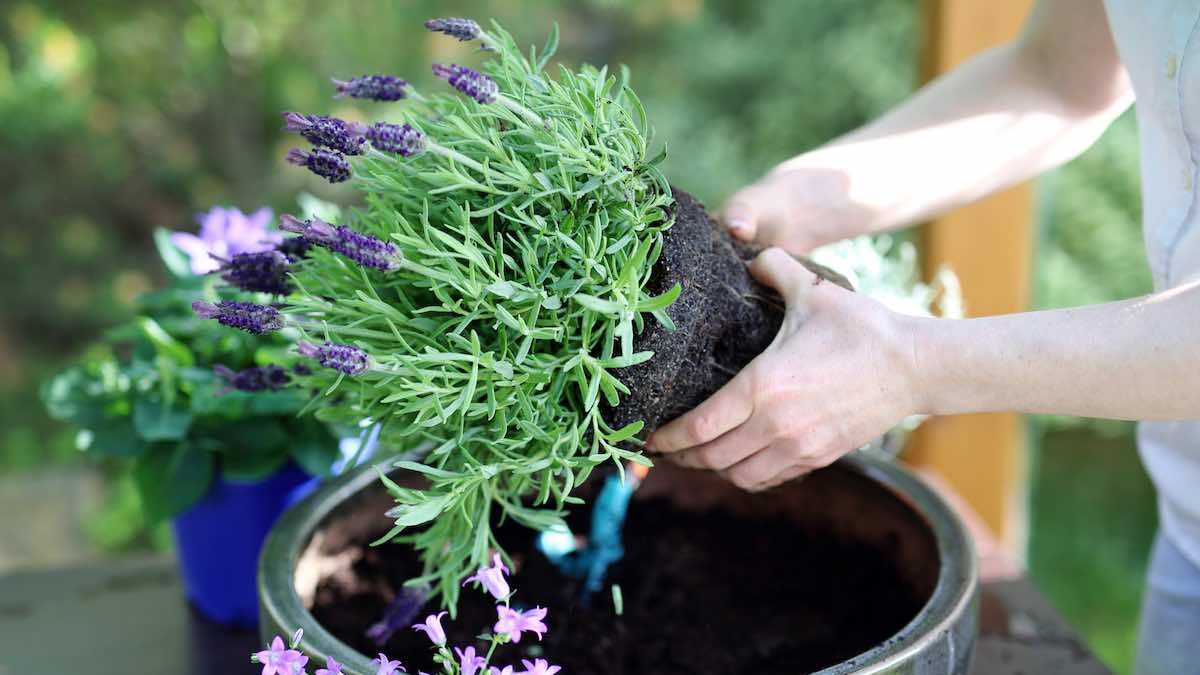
{"x":1159,"y":42}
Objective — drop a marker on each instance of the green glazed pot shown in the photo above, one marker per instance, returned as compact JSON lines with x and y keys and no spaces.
{"x":865,"y":496}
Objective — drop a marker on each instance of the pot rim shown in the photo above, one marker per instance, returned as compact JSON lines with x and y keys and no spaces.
{"x":952,"y":597}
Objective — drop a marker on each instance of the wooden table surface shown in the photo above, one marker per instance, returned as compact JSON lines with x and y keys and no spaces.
{"x":130,"y":618}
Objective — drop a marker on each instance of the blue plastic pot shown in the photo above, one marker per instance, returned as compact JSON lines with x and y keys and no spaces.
{"x":219,"y":538}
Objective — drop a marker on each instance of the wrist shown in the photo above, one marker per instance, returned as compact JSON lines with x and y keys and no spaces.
{"x":937,"y":350}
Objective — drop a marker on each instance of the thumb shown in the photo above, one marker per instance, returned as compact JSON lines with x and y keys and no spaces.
{"x":774,"y":267}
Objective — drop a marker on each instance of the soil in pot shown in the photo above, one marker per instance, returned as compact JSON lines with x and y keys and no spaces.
{"x":723,"y":319}
{"x":774,"y":598}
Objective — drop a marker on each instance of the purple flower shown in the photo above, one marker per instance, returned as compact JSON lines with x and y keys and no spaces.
{"x":361,"y":248}
{"x":344,"y":358}
{"x":331,"y":132}
{"x":538,"y":667}
{"x":463,"y":29}
{"x":257,"y":378}
{"x":328,"y":164}
{"x":492,"y":578}
{"x":433,"y":628}
{"x":468,"y":662}
{"x":470,"y":82}
{"x":386,"y":667}
{"x":512,"y":622}
{"x":247,"y":316}
{"x":399,"y":611}
{"x":374,"y":87}
{"x":508,"y":670}
{"x":331,"y":667}
{"x":279,"y":660}
{"x":259,"y":272}
{"x":294,"y":248}
{"x":400,"y":139}
{"x":225,"y":232}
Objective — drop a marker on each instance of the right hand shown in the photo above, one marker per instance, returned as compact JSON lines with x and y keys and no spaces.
{"x":796,"y":209}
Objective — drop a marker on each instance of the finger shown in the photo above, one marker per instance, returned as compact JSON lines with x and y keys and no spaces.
{"x":723,"y":411}
{"x":787,"y":475}
{"x":731,"y":447}
{"x":775,"y":268}
{"x":761,"y":467}
{"x":740,"y":215}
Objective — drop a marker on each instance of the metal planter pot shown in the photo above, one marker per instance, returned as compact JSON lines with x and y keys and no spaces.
{"x":861,"y":496}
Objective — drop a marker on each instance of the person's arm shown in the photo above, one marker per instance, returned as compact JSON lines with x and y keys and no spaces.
{"x":1004,"y":116}
{"x":844,"y":369}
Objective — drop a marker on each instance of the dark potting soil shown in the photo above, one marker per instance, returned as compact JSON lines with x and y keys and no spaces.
{"x":723,"y":319}
{"x":773,"y":599}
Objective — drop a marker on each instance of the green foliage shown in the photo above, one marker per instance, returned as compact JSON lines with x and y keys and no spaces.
{"x":147,"y":395}
{"x":528,"y":230}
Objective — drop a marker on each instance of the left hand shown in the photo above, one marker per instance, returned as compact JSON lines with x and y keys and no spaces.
{"x":839,"y":374}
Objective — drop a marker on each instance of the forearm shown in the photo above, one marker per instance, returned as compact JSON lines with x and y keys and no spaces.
{"x":1135,"y":359}
{"x":989,"y":124}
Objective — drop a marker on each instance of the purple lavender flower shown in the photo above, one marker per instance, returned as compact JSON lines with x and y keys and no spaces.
{"x":512,"y":623}
{"x":432,"y":626}
{"x":344,"y":358}
{"x":463,"y":29}
{"x":331,"y":132}
{"x":507,"y":670}
{"x":331,"y":667}
{"x":260,"y":272}
{"x":247,"y":316}
{"x":225,"y":232}
{"x":470,"y":82}
{"x":399,"y":612}
{"x":468,"y":662}
{"x":400,"y":139}
{"x":254,"y":379}
{"x":386,"y":667}
{"x":492,"y":578}
{"x":538,"y":667}
{"x":374,"y":87}
{"x":279,"y":660}
{"x":328,"y":164}
{"x":294,"y":248}
{"x":361,"y":248}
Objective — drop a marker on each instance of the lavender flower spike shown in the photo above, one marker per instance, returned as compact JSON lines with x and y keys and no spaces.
{"x":361,"y":248}
{"x":373,"y":87}
{"x":463,"y":29}
{"x":470,"y":82}
{"x":262,"y":272}
{"x":399,"y":139}
{"x":247,"y":316}
{"x":328,"y":164}
{"x":432,"y":627}
{"x":330,"y":132}
{"x":347,"y":359}
{"x":254,"y":379}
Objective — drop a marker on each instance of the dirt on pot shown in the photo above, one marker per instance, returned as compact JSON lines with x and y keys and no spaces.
{"x":723,"y":319}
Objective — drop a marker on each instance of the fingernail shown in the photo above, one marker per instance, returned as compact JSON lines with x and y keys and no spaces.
{"x":737,"y":224}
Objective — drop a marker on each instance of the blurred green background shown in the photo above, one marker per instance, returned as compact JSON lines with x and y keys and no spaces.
{"x":120,"y":115}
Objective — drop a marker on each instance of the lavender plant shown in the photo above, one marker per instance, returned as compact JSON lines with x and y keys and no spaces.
{"x":484,"y":297}
{"x":182,"y":401}
{"x":280,"y":658}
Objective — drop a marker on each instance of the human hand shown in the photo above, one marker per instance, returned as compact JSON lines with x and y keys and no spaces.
{"x":839,"y":373}
{"x":794,"y":208}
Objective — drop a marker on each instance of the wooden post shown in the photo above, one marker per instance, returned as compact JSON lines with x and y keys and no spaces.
{"x":988,"y":244}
